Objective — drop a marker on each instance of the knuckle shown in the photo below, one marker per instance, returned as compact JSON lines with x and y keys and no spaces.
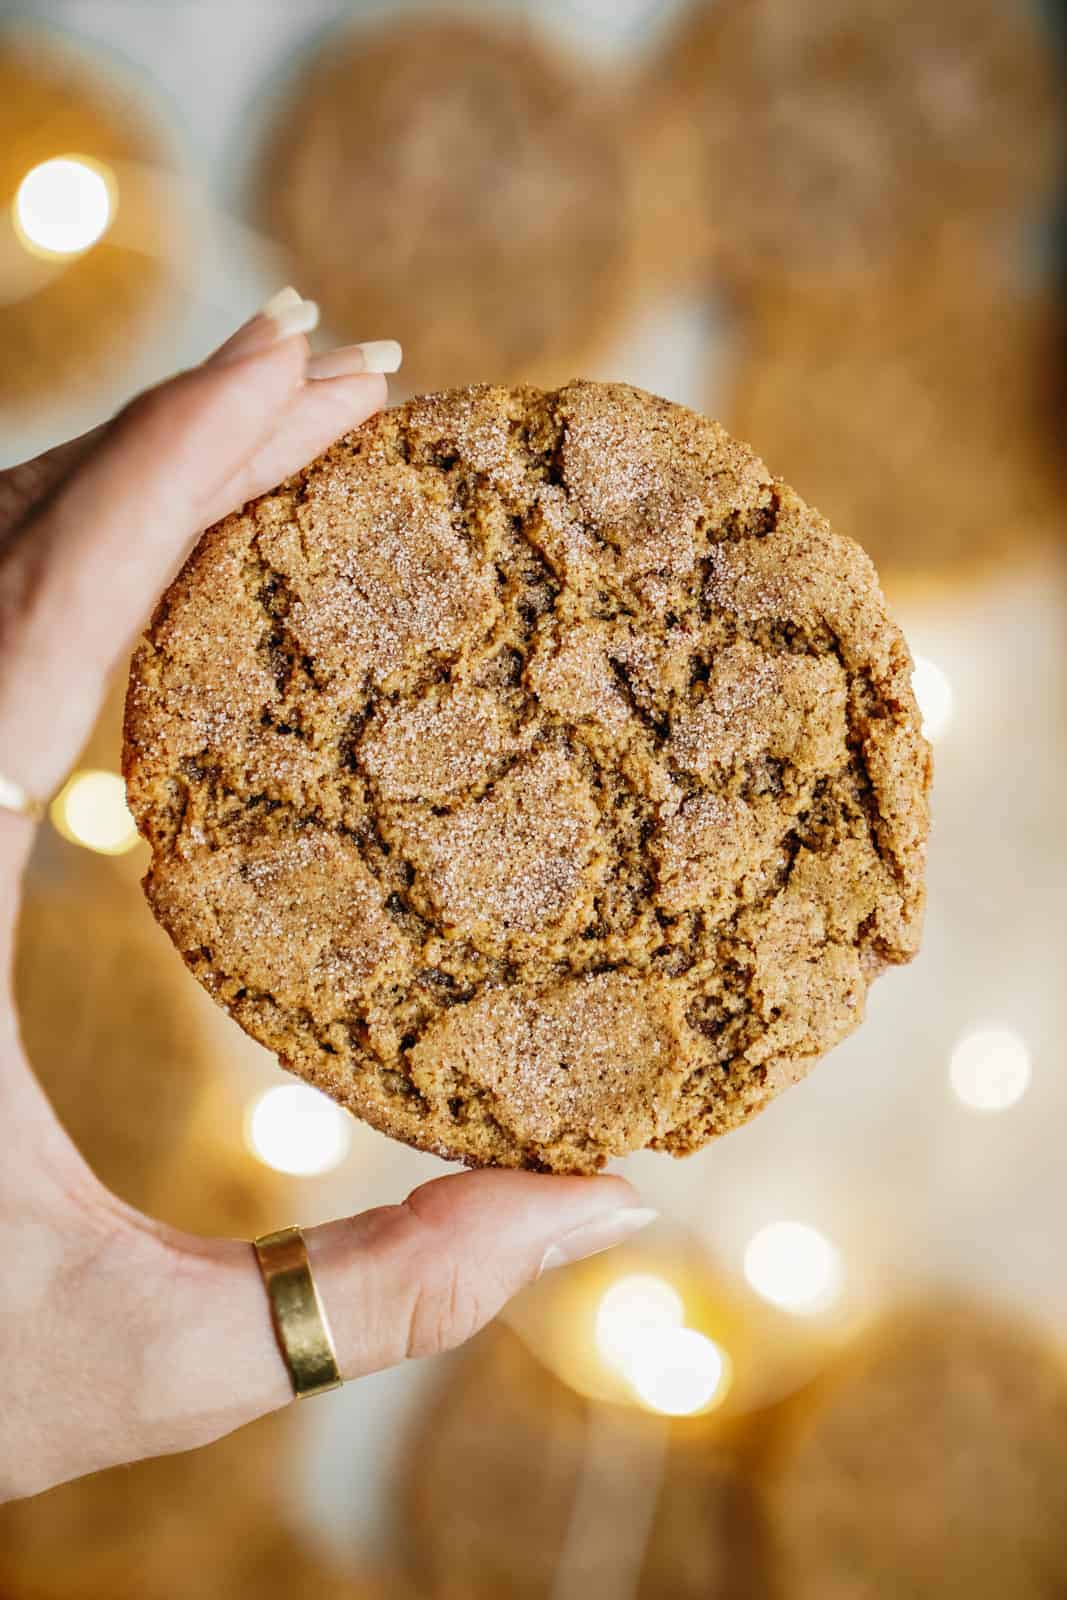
{"x":447,"y":1305}
{"x":445,"y":1312}
{"x":142,"y":409}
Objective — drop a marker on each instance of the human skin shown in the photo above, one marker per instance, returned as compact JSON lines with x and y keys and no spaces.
{"x":120,"y":1337}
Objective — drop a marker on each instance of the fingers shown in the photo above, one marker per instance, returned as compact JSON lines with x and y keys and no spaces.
{"x":416,"y":1279}
{"x":319,"y":413}
{"x":172,"y":1343}
{"x":404,"y":1281}
{"x":23,"y":488}
{"x":79,"y":579}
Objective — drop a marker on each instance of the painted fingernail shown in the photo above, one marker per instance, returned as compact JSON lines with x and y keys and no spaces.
{"x":284,"y":315}
{"x":592,"y":1237}
{"x":378,"y":355}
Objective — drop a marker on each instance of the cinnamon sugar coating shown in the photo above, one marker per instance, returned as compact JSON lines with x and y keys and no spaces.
{"x":535,"y":774}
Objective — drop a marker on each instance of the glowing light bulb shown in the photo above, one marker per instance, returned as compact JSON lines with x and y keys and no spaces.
{"x":632,"y":1309}
{"x":933,"y":691}
{"x":64,"y":206}
{"x":295,"y":1129}
{"x":91,"y":810}
{"x":678,"y":1371}
{"x":794,"y":1266}
{"x":990,"y":1069}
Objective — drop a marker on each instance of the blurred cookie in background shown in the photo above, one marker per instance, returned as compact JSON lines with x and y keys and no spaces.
{"x":213,"y":1524}
{"x":931,"y":1463}
{"x":272,"y":1565}
{"x":919,"y":412}
{"x":166,"y":1529}
{"x":90,"y":228}
{"x":518,"y":1487}
{"x":809,"y":139}
{"x":458,"y":186}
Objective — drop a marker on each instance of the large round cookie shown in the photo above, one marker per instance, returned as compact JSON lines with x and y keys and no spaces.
{"x":933,"y":1465}
{"x":534,"y":773}
{"x":455,"y":185}
{"x":516,"y":1487}
{"x":809,"y":138}
{"x":922,"y":414}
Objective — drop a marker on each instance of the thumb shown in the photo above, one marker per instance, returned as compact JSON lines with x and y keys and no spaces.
{"x":402,"y":1281}
{"x":419,"y":1278}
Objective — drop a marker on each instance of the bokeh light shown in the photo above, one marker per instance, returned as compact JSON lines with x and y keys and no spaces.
{"x":990,"y":1069}
{"x":91,"y":810}
{"x":631,"y":1310}
{"x":933,"y":691}
{"x":679,"y":1371}
{"x":296,"y":1129}
{"x":63,"y":206}
{"x":794,"y":1266}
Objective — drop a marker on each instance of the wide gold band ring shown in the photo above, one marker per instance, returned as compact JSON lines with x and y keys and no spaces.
{"x":299,"y":1318}
{"x":13,"y":797}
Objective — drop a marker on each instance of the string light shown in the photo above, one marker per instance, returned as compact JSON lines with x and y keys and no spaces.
{"x":990,"y":1069}
{"x":678,"y":1372}
{"x":794,"y":1266}
{"x":933,"y":691}
{"x":630,"y":1311}
{"x":296,"y":1129}
{"x":671,"y":1369}
{"x":63,"y":206}
{"x":91,"y":810}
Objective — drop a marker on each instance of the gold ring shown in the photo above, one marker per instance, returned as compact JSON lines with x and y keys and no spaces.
{"x":300,"y":1324}
{"x":13,"y":797}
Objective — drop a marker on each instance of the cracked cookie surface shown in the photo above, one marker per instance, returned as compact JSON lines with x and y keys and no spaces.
{"x":535,"y":774}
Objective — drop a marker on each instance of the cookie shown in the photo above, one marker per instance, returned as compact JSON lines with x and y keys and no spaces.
{"x":921,"y":414}
{"x":810,"y":139}
{"x":457,"y":186}
{"x":69,"y":325}
{"x":933,"y":1464}
{"x":515,"y":1485}
{"x":535,"y":774}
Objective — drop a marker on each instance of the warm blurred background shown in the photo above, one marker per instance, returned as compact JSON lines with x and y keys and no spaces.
{"x":836,"y":1370}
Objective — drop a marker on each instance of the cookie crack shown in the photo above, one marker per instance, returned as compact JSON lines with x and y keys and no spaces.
{"x":750,"y":522}
{"x":272,"y":591}
{"x":866,"y":792}
{"x":659,"y":727}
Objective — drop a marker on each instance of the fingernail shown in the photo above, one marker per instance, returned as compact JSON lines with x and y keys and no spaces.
{"x":592,"y":1237}
{"x":284,"y":315}
{"x":378,"y":355}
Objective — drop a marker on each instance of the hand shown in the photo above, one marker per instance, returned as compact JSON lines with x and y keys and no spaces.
{"x":122,"y":1338}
